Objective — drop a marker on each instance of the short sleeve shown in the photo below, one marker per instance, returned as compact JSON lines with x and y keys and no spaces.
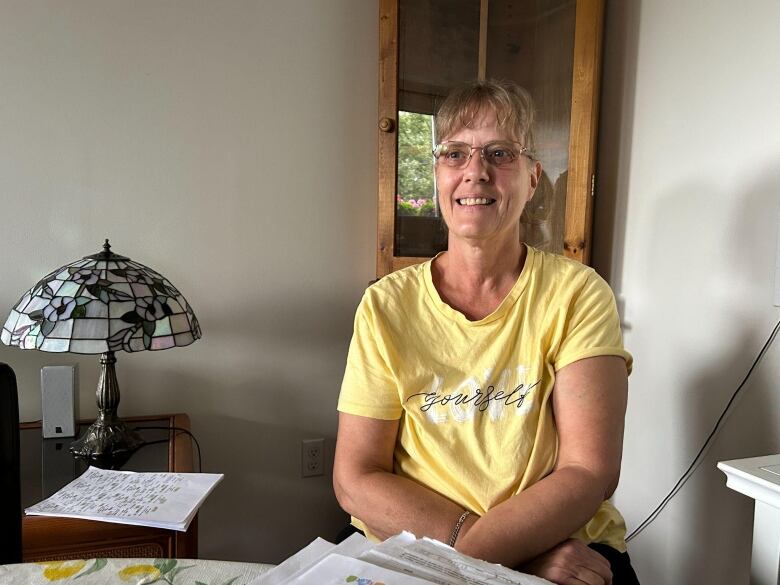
{"x":369,"y":387}
{"x":592,"y":325}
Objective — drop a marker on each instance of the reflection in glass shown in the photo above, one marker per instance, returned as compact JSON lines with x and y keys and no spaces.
{"x":532,"y":43}
{"x":416,"y":193}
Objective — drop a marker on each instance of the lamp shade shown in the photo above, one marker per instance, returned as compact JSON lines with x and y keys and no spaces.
{"x":101,"y":303}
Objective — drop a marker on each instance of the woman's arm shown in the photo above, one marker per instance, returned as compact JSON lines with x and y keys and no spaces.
{"x":589,"y":403}
{"x":367,"y":488}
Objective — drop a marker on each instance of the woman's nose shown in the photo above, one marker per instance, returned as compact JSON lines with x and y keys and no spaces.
{"x":476,"y":169}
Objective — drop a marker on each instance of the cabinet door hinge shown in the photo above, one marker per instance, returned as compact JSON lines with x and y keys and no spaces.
{"x":593,"y":185}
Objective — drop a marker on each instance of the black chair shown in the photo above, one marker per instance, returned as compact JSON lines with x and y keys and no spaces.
{"x":10,"y":478}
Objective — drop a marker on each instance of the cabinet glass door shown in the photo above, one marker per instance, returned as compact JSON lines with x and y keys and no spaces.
{"x":428,"y":47}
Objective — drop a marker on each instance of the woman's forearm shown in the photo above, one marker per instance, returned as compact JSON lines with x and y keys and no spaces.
{"x":388,"y":504}
{"x":535,"y":520}
{"x":510,"y":533}
{"x":367,"y":488}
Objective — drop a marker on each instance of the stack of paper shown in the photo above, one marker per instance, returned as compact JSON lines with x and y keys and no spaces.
{"x":162,"y":500}
{"x":401,"y":560}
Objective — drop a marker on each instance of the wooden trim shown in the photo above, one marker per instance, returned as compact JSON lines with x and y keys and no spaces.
{"x":388,"y":135}
{"x":584,"y":126}
{"x":181,"y":460}
{"x":405,"y":261}
{"x":47,"y":537}
{"x":483,"y":32}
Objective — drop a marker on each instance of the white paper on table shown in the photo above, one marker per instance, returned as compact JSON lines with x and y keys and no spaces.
{"x":436,"y":562}
{"x":161,"y":500}
{"x":336,"y":569}
{"x":301,"y":561}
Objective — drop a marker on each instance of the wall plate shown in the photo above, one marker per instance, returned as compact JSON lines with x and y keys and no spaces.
{"x":58,"y":401}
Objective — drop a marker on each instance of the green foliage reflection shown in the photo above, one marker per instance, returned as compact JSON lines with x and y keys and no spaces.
{"x":415,"y":165}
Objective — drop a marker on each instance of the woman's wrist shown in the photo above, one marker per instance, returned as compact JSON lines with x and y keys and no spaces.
{"x":462,"y":540}
{"x":456,"y":529}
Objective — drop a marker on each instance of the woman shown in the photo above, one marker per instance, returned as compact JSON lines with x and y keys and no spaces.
{"x":485,"y":390}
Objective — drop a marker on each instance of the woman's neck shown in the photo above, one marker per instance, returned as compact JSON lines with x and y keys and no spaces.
{"x":475,"y":279}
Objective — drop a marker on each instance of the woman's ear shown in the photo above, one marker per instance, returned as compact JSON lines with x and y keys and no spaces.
{"x":536,"y":174}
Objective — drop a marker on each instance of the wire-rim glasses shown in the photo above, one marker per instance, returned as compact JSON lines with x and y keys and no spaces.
{"x":498,"y":153}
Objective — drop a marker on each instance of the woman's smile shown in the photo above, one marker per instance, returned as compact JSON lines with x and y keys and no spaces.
{"x":473,"y":201}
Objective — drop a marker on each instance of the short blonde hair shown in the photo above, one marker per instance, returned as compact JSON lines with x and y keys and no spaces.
{"x":512,"y":104}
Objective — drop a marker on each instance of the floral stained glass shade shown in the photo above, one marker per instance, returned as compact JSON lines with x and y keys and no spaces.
{"x":101,"y":303}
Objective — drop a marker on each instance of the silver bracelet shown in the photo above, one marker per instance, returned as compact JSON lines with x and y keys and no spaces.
{"x":458,"y":526}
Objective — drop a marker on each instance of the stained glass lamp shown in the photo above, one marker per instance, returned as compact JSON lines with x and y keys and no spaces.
{"x":102,"y":304}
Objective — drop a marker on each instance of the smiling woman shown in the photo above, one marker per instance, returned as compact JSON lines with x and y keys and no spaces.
{"x":483,"y":196}
{"x":485,"y":390}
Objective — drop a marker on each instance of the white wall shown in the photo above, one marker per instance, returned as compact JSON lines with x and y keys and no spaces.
{"x":172,"y":128}
{"x":230,"y":145}
{"x":686,"y":224}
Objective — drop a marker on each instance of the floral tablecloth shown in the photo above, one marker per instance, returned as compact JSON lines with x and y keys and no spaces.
{"x":132,"y":571}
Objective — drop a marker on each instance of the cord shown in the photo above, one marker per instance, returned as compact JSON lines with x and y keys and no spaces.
{"x":181,"y":430}
{"x":696,"y":460}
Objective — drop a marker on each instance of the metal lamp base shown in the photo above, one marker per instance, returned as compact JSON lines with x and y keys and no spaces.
{"x":108,"y":443}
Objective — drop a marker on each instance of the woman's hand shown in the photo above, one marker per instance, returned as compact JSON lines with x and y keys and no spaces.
{"x":571,"y":563}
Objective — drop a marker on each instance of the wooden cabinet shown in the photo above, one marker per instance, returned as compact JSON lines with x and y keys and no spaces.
{"x":47,"y":466}
{"x":550,"y":47}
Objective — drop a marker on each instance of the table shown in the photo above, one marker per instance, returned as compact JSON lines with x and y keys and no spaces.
{"x":131,"y":571}
{"x":47,"y":465}
{"x":759,"y":478}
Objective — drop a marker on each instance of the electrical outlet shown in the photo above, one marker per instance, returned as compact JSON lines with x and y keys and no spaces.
{"x":312,"y":457}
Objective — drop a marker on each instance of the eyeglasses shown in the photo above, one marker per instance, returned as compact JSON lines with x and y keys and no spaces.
{"x":499,"y":153}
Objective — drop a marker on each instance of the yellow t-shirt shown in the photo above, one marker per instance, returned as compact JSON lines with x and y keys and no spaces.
{"x":474,"y":396}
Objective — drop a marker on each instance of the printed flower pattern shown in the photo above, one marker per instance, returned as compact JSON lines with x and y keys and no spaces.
{"x":362,"y":580}
{"x":59,"y":570}
{"x":140,"y":574}
{"x":134,"y":571}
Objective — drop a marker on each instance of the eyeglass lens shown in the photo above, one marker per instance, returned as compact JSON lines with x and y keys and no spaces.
{"x":458,"y":154}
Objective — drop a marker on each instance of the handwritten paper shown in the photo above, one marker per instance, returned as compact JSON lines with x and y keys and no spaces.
{"x":162,"y":500}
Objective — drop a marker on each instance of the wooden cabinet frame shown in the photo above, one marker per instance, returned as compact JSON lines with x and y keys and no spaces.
{"x":582,"y":143}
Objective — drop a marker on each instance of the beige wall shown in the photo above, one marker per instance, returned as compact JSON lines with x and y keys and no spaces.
{"x":231,"y":146}
{"x":687,"y":218}
{"x":172,"y":127}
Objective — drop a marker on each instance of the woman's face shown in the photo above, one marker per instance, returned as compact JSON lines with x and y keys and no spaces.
{"x":480,"y":202}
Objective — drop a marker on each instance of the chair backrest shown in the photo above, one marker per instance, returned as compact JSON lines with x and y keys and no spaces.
{"x":10,"y":478}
